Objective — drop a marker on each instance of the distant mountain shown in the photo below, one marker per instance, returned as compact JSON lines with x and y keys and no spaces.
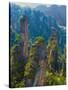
{"x":40,"y":21}
{"x":58,"y":12}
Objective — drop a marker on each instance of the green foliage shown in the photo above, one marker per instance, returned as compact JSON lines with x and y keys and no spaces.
{"x":23,"y":74}
{"x":54,"y":78}
{"x":18,"y":37}
{"x":32,"y":51}
{"x":20,"y":84}
{"x":16,"y":65}
{"x":28,"y":68}
{"x":39,"y":40}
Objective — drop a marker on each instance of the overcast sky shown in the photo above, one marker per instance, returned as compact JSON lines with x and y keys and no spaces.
{"x":31,"y":5}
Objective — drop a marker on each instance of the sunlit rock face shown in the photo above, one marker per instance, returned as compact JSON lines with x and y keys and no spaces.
{"x":24,"y":34}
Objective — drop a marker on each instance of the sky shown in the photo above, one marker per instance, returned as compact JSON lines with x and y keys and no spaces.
{"x":31,"y":5}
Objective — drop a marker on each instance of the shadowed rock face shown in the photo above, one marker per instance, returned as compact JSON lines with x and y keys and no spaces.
{"x":41,"y":79}
{"x":41,"y":52}
{"x":40,"y":76}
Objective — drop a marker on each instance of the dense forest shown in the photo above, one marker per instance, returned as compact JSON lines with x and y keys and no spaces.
{"x":37,"y":46}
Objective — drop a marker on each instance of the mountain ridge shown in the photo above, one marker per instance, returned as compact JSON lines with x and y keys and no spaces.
{"x":39,"y":24}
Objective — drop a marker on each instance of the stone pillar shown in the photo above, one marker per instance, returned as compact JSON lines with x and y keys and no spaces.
{"x":24,"y":34}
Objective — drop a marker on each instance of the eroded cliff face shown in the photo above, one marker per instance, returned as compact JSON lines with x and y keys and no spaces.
{"x":24,"y":34}
{"x":41,"y":57}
